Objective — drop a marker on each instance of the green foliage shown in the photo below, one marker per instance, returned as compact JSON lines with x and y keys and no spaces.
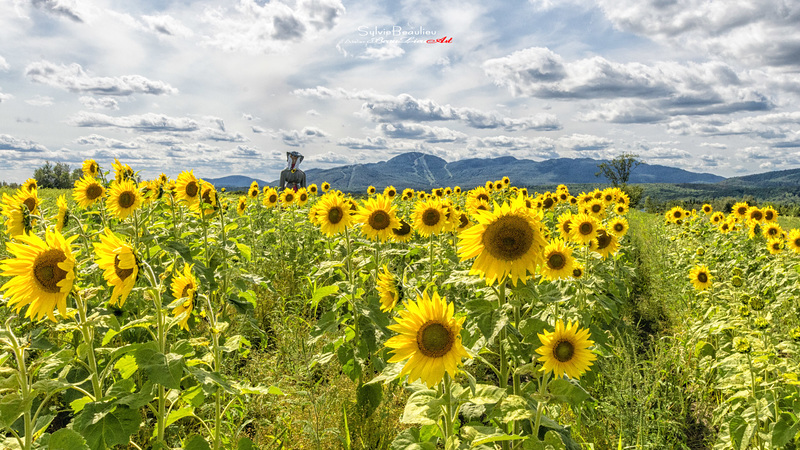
{"x":618,"y":170}
{"x":54,"y":176}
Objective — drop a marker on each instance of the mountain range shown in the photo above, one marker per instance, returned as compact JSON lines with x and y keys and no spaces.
{"x":422,"y":171}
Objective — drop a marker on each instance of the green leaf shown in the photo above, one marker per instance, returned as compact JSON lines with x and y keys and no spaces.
{"x":67,"y":439}
{"x":196,"y":442}
{"x":138,"y":399}
{"x":368,"y":398}
{"x":784,"y":431}
{"x":179,"y":247}
{"x":211,"y":380}
{"x":245,"y":251}
{"x":241,"y":303}
{"x":486,"y":394}
{"x":568,"y":392}
{"x":127,"y":366}
{"x":11,"y":407}
{"x":164,"y":370}
{"x":77,"y":405}
{"x":552,"y":441}
{"x":323,"y":292}
{"x":106,"y":425}
{"x":512,"y":408}
{"x":410,"y":440}
{"x":422,"y":407}
{"x":177,"y":414}
{"x":246,"y":444}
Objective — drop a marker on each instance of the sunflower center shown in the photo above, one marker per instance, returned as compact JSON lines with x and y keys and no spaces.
{"x":121,"y":273}
{"x":797,"y":242}
{"x":186,"y":290}
{"x":618,"y":227}
{"x":508,"y":238}
{"x":548,"y":203}
{"x":434,"y":339}
{"x":603,"y":240}
{"x":431,"y":217}
{"x":756,"y":216}
{"x":768,"y":215}
{"x":94,"y":191}
{"x":577,"y":272}
{"x":46,"y":270}
{"x":742,"y":211}
{"x":126,"y":199}
{"x":289,"y":198}
{"x":483,"y":197}
{"x":303,"y":197}
{"x":702,"y":277}
{"x":191,"y":189}
{"x":772,"y":231}
{"x":273,"y":198}
{"x":596,"y":208}
{"x":463,"y":220}
{"x":676,"y":214}
{"x":586,"y":228}
{"x":379,"y":220}
{"x":556,"y":261}
{"x":564,"y":351}
{"x":30,"y":203}
{"x":335,"y":215}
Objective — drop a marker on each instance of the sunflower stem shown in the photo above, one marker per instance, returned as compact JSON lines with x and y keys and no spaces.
{"x":448,"y":419}
{"x":25,"y":385}
{"x":430,"y":260}
{"x":540,"y":403}
{"x":88,"y":338}
{"x":755,"y":399}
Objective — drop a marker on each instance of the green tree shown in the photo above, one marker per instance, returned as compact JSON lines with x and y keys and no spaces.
{"x":618,"y":170}
{"x":56,"y":176}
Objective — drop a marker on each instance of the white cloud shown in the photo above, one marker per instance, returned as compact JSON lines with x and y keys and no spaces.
{"x":69,"y":9}
{"x":584,"y":142}
{"x":297,"y":138}
{"x":96,"y":140}
{"x":420,"y":131}
{"x":382,"y":53}
{"x":11,"y":143}
{"x":4,"y":67}
{"x":74,"y":79}
{"x":368,"y":143}
{"x":167,"y":25}
{"x":109,"y":103}
{"x":40,"y":100}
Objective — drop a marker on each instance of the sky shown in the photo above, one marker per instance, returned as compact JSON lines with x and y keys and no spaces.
{"x":228,"y":87}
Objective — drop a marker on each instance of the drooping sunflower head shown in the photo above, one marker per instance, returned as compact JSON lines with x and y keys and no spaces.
{"x":548,"y":201}
{"x":558,"y":260}
{"x":241,"y":206}
{"x":390,"y":290}
{"x":122,"y":172}
{"x":333,"y":214}
{"x":18,"y":218}
{"x":605,"y":244}
{"x":583,"y":228}
{"x":29,"y":198}
{"x":87,"y":192}
{"x":463,"y":221}
{"x":253,"y":191}
{"x":700,"y":277}
{"x":489,"y":186}
{"x":429,"y":337}
{"x":566,"y":350}
{"x":403,"y":233}
{"x":208,"y":202}
{"x":120,"y":266}
{"x":378,"y":218}
{"x":42,"y":273}
{"x":62,"y":217}
{"x":184,"y":287}
{"x":123,"y":199}
{"x":90,"y":168}
{"x":506,"y":243}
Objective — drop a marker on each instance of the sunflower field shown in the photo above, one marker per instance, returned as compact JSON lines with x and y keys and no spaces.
{"x":169,"y":314}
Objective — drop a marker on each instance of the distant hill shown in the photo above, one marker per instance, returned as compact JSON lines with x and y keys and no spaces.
{"x":234,"y":182}
{"x":778,"y":178}
{"x":422,"y":171}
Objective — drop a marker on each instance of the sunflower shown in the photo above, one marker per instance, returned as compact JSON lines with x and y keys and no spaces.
{"x":241,"y":207}
{"x":604,"y":244}
{"x":389,"y":289}
{"x":333,"y":214}
{"x":187,"y":188}
{"x":29,"y":198}
{"x":558,"y":260}
{"x":565,"y":224}
{"x":770,"y":214}
{"x":312,"y":190}
{"x":577,"y":271}
{"x":675,"y":214}
{"x":208,"y":199}
{"x":447,"y":191}
{"x":566,"y":350}
{"x":457,"y":190}
{"x":90,"y":168}
{"x":489,"y":186}
{"x":123,"y":199}
{"x":717,"y":218}
{"x":754,"y":214}
{"x":390,"y":192}
{"x":429,"y":217}
{"x":288,"y":197}
{"x":793,"y":240}
{"x":30,"y":185}
{"x":707,"y":209}
{"x":122,"y":172}
{"x":584,"y":228}
{"x":479,"y":194}
{"x":739,"y":209}
{"x":429,"y":338}
{"x":700,"y":277}
{"x":63,"y":213}
{"x":422,"y":195}
{"x":325,"y":186}
{"x":378,"y":218}
{"x":548,"y":201}
{"x":371,"y":190}
{"x":595,"y":208}
{"x":727,"y":225}
{"x":184,"y":286}
{"x":483,"y":205}
{"x":270,"y":198}
{"x":775,"y":246}
{"x":772,"y":230}
{"x":463,"y":221}
{"x":621,"y":209}
{"x":42,"y":274}
{"x":618,"y":226}
{"x":18,"y":218}
{"x":507,"y":242}
{"x":403,"y":233}
{"x":119,"y":264}
{"x":408,"y":194}
{"x":610,"y":195}
{"x":253,"y":191}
